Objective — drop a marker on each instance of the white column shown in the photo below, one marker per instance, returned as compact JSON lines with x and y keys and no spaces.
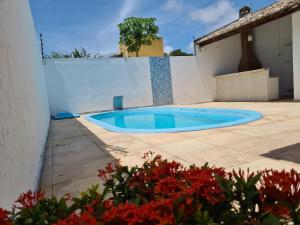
{"x":296,"y":54}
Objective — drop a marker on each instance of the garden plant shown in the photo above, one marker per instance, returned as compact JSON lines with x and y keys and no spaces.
{"x":166,"y":193}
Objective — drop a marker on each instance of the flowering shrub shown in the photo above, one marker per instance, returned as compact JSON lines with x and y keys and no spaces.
{"x":166,"y":193}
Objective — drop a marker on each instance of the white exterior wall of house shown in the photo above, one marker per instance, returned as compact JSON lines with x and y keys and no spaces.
{"x":24,"y":111}
{"x":273,"y":45}
{"x":296,"y":54}
{"x":87,"y":85}
{"x":218,"y":58}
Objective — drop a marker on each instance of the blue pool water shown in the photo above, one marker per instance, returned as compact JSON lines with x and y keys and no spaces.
{"x":169,"y":119}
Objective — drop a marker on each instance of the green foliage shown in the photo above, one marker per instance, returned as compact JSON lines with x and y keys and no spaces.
{"x":270,"y":219}
{"x":166,"y":193}
{"x":76,"y":53}
{"x":80,"y":53}
{"x":87,"y":197}
{"x":202,"y":218}
{"x":135,"y":32}
{"x":46,"y":211}
{"x":179,"y":52}
{"x":57,"y":55}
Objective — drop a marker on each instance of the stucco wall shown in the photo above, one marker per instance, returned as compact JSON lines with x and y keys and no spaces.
{"x":296,"y":54}
{"x":254,"y":85}
{"x":86,"y":85}
{"x":273,"y":42}
{"x":218,"y":58}
{"x":24,"y":112}
{"x":190,"y":83}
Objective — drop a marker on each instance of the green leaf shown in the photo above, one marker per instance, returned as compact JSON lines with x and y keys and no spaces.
{"x":271,"y":220}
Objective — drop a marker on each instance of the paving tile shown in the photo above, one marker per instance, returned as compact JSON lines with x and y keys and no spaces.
{"x":262,"y":164}
{"x":286,"y":138}
{"x":139,"y":153}
{"x":203,"y":133}
{"x":112,"y":137}
{"x":127,"y":146}
{"x":136,"y":157}
{"x":46,"y":177}
{"x":48,"y":189}
{"x":182,"y":148}
{"x":219,"y":156}
{"x":163,"y":138}
{"x":261,"y":130}
{"x":224,"y":138}
{"x":71,"y":171}
{"x":75,"y":155}
{"x":257,"y":146}
{"x":71,"y":144}
{"x":76,"y":186}
{"x":79,"y":148}
{"x":62,"y":124}
{"x":67,"y":133}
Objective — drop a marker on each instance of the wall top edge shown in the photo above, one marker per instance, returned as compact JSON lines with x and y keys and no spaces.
{"x":244,"y":73}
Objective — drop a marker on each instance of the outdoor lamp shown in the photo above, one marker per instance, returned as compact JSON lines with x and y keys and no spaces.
{"x":250,"y":37}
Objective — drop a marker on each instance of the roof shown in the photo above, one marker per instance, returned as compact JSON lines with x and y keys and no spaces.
{"x":265,"y":15}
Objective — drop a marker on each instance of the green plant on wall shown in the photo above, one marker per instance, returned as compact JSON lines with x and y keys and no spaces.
{"x":179,"y":52}
{"x":135,"y":32}
{"x":76,"y":53}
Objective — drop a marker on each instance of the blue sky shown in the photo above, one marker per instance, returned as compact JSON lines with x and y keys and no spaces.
{"x":92,"y":24}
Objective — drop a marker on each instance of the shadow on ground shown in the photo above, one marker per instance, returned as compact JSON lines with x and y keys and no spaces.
{"x":73,"y":156}
{"x":289,"y":153}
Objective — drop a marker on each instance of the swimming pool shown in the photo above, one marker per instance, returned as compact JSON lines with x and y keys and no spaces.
{"x":169,"y":119}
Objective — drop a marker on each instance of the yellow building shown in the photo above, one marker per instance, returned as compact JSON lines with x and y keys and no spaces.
{"x":155,"y":49}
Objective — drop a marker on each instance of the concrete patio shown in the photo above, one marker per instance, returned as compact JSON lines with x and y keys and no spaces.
{"x":77,"y":148}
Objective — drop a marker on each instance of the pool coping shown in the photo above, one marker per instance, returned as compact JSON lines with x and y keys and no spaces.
{"x":253,"y":116}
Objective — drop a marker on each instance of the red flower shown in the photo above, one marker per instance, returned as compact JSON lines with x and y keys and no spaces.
{"x":152,"y":213}
{"x":29,"y":199}
{"x":169,"y":187}
{"x":4,"y":217}
{"x":203,"y":185}
{"x":82,"y":219}
{"x":107,"y":204}
{"x":280,"y":189}
{"x":105,"y":174}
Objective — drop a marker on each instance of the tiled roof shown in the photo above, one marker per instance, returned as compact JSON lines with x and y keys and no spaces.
{"x":267,"y":14}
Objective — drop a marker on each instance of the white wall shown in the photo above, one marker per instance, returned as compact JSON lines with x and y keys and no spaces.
{"x":296,"y":54}
{"x":24,"y":112}
{"x":189,"y":84}
{"x":273,"y":44}
{"x":254,"y":85}
{"x":218,"y":58}
{"x":87,"y":85}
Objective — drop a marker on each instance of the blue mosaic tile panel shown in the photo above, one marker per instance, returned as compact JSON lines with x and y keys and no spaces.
{"x":161,"y":80}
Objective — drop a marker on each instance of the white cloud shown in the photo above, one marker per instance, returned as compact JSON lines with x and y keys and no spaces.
{"x":172,"y":5}
{"x":217,"y":14}
{"x":108,"y":36}
{"x":168,"y":49}
{"x":126,"y":9}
